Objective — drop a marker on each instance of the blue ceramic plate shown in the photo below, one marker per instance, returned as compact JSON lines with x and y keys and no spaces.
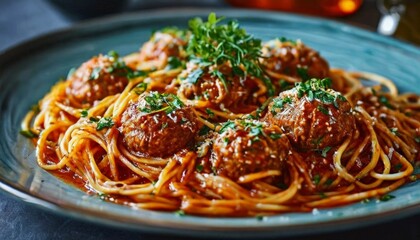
{"x":28,"y":71}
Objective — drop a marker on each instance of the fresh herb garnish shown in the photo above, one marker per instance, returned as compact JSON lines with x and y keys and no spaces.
{"x":303,"y":73}
{"x":28,"y":133}
{"x":204,"y":130}
{"x":325,"y":151}
{"x":194,"y":76}
{"x":164,"y":125}
{"x":316,"y":179}
{"x":71,"y":72}
{"x":174,"y":62}
{"x":394,"y":131}
{"x":140,"y":88}
{"x":385,"y":101}
{"x":284,"y":40}
{"x":386,"y":197}
{"x":95,"y":73}
{"x":323,"y":109}
{"x":210,"y":112}
{"x":275,"y":136}
{"x":226,"y":126}
{"x":417,"y":139}
{"x":105,"y":122}
{"x":180,"y":213}
{"x":84,"y":113}
{"x":199,"y":168}
{"x":317,"y":89}
{"x":162,"y":102}
{"x":279,"y":103}
{"x":213,"y":44}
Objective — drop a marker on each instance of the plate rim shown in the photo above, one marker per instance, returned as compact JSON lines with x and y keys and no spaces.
{"x":149,"y":15}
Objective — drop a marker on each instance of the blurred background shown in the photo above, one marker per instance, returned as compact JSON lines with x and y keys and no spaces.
{"x":23,"y":19}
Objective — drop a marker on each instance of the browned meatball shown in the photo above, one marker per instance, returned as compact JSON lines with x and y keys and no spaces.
{"x":287,"y":57}
{"x":231,"y":92}
{"x":311,"y":116}
{"x":246,"y":147}
{"x":152,"y":127}
{"x":161,"y":46}
{"x":96,"y":79}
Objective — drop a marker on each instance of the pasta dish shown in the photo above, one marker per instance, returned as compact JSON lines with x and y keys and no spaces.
{"x":212,"y":121}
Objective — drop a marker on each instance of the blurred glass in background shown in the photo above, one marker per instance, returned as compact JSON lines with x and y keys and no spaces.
{"x":400,"y":18}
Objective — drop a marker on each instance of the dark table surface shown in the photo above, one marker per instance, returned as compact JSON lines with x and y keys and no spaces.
{"x":24,"y":19}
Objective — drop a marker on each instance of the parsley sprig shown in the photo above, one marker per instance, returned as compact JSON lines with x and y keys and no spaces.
{"x":317,"y":89}
{"x":213,"y":44}
{"x":157,"y":102}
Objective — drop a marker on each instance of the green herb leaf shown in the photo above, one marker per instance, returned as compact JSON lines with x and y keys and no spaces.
{"x":199,"y":168}
{"x":180,"y":213}
{"x":303,"y":73}
{"x":275,"y":136}
{"x":386,"y":197}
{"x":323,"y":109}
{"x":140,"y":88}
{"x":417,"y":139}
{"x":84,"y":113}
{"x":174,"y":62}
{"x":325,"y":151}
{"x":28,"y":133}
{"x":204,"y":130}
{"x":194,"y":76}
{"x":226,"y":126}
{"x":95,"y":73}
{"x":385,"y":101}
{"x":105,"y":122}
{"x":316,"y":179}
{"x":210,"y":112}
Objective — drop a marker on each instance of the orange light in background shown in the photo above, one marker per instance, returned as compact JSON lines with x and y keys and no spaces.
{"x":347,"y":6}
{"x":332,"y":8}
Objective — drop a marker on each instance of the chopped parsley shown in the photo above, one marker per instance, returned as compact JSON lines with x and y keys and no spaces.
{"x":180,"y":213}
{"x":140,"y":88}
{"x":417,"y":139}
{"x":303,"y":73}
{"x":174,"y":62}
{"x":204,"y":131}
{"x":275,"y":136}
{"x":316,"y":179}
{"x":394,"y":131}
{"x":325,"y":151}
{"x":95,"y":73}
{"x":385,"y":101}
{"x":28,"y":133}
{"x":84,"y":113}
{"x":105,"y":122}
{"x":317,"y":89}
{"x":71,"y":72}
{"x":323,"y":109}
{"x":280,"y":102}
{"x":226,"y":126}
{"x":199,"y":168}
{"x":210,"y":112}
{"x":164,"y":125}
{"x":284,"y":40}
{"x":194,"y":76}
{"x":162,"y":102}
{"x":213,"y":44}
{"x":386,"y":197}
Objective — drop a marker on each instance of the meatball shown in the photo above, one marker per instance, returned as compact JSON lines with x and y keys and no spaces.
{"x":232,"y":92}
{"x":96,"y":79}
{"x":245,"y":147}
{"x":161,"y":46}
{"x":157,"y":125}
{"x":288,"y":57}
{"x":311,"y":116}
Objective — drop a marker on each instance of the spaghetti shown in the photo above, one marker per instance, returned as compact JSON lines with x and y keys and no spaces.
{"x":211,"y":121}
